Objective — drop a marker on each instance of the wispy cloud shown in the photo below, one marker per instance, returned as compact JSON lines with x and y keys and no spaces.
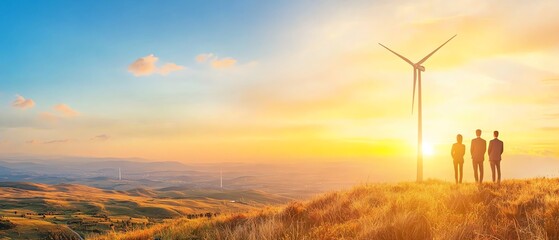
{"x":60,"y":111}
{"x":203,"y":57}
{"x":224,"y":63}
{"x":57,"y":141}
{"x":170,"y":67}
{"x":23,"y":103}
{"x":101,"y":138}
{"x":65,"y":110}
{"x":34,"y":141}
{"x":215,"y":61}
{"x":147,"y":65}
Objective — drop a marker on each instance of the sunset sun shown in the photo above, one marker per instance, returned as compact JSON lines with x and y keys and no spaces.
{"x":428,"y":149}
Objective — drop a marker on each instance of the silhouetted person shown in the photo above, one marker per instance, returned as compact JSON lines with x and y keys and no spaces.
{"x":477,"y":149}
{"x":494,"y":151}
{"x":457,"y":152}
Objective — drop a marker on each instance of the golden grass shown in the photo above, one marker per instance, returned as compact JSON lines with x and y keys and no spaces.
{"x":516,"y":209}
{"x":38,"y":210}
{"x":35,"y":229}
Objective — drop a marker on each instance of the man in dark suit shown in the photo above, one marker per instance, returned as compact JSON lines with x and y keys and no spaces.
{"x":477,"y":149}
{"x":495,"y":150}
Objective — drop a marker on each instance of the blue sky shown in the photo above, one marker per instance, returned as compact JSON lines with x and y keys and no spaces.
{"x":56,"y":50}
{"x":81,"y":45}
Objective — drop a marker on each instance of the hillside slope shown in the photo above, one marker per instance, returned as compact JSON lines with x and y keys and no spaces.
{"x":38,"y":211}
{"x":518,"y":209}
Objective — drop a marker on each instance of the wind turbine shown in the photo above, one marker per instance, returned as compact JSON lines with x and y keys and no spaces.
{"x":417,"y":69}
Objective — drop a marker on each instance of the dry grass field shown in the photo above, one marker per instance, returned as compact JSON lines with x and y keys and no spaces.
{"x":41,"y":211}
{"x":516,"y":209}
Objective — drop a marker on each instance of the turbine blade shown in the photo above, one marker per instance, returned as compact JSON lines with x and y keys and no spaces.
{"x":402,"y":57}
{"x":428,"y":56}
{"x":414,"y":81}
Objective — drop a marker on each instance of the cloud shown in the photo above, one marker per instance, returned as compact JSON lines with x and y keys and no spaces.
{"x":146,"y":66}
{"x":65,"y":110}
{"x":57,"y":141}
{"x":60,"y":110}
{"x":23,"y":103}
{"x":169,"y":67}
{"x":33,"y":141}
{"x":102,"y":137}
{"x":203,"y":57}
{"x":143,"y":66}
{"x":223,"y":63}
{"x":215,"y":61}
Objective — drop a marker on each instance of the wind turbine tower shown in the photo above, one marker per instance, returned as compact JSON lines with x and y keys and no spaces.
{"x":119,"y":174}
{"x":221,"y":179}
{"x":417,"y":69}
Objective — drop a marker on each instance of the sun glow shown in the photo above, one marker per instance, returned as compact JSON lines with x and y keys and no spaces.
{"x":428,"y":149}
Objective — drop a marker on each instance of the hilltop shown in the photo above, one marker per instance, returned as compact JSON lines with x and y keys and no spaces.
{"x":516,"y":209}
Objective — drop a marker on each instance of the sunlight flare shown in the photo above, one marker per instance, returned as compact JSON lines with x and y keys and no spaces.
{"x":428,"y":149}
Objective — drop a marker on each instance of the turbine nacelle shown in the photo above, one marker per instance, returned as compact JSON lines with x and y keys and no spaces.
{"x":421,"y":68}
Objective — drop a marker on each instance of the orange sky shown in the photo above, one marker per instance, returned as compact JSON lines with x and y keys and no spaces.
{"x":324,"y":89}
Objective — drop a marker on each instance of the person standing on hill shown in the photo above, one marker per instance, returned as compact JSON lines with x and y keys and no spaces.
{"x":495,"y":150}
{"x":477,"y":149}
{"x":457,"y":152}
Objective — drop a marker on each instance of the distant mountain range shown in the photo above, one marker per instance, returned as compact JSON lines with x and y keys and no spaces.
{"x":290,"y":180}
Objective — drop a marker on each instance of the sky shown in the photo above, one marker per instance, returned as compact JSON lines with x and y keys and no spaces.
{"x":265,"y":81}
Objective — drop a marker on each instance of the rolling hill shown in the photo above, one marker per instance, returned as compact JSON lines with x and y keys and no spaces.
{"x":42,"y":211}
{"x":516,"y":209}
{"x":299,"y":181}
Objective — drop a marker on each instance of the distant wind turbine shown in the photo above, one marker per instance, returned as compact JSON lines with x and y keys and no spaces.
{"x":417,"y":69}
{"x":119,"y":174}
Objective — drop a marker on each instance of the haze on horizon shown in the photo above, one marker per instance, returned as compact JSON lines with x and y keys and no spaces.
{"x":295,"y":81}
